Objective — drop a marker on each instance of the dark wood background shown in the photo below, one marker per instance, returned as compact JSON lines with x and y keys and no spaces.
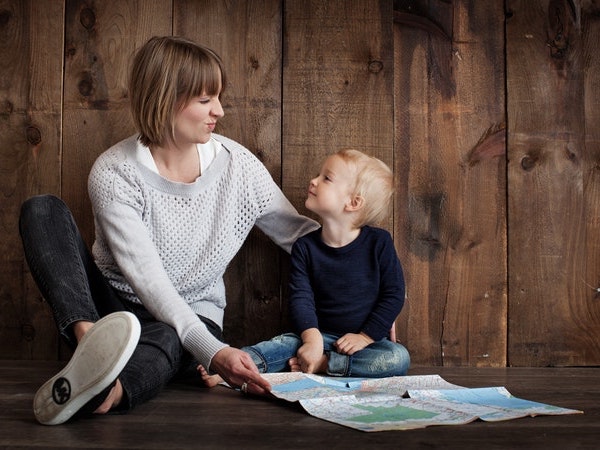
{"x":488,"y":112}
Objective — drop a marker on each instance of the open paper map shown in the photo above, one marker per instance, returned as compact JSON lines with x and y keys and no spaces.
{"x":401,"y":403}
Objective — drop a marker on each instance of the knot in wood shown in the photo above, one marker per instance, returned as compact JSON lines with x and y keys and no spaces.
{"x":7,"y":107}
{"x":558,"y":46}
{"x":571,"y":156}
{"x":5,"y":17}
{"x":528,"y":163}
{"x":87,"y":18}
{"x":86,"y":85}
{"x":34,"y":135}
{"x":28,"y":332}
{"x":375,"y":66}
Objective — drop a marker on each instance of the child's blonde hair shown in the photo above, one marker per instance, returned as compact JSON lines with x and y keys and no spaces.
{"x":374,"y":183}
{"x":167,"y":73}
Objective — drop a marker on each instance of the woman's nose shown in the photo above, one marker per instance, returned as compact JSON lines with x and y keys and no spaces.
{"x":217,"y":109}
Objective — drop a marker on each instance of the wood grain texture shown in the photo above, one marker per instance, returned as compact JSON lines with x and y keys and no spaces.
{"x":247,"y":36}
{"x":186,"y":415}
{"x":553,"y":186}
{"x":450,"y":166}
{"x":337,"y":86}
{"x":493,"y":139}
{"x":31,"y":41}
{"x":100,"y":40}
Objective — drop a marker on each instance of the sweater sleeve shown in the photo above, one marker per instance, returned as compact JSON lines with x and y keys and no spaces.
{"x":303,"y":311}
{"x":390,"y":299}
{"x":279,"y":220}
{"x":118,"y":219}
{"x":282,"y":222}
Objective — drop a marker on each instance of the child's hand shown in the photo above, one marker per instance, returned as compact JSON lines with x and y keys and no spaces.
{"x":351,"y":343}
{"x":310,"y":358}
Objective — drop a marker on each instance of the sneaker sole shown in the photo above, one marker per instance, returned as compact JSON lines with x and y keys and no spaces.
{"x":97,"y":361}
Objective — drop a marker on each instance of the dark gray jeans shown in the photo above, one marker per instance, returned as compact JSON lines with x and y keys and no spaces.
{"x":75,"y":289}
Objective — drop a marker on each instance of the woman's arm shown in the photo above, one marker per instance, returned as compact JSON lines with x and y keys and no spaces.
{"x":137,"y":258}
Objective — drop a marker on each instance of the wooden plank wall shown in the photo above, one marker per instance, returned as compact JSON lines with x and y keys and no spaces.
{"x":553,"y":182}
{"x":450,"y":165}
{"x":486,"y":111}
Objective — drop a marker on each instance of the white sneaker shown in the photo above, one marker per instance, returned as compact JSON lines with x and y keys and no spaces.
{"x":97,"y":361}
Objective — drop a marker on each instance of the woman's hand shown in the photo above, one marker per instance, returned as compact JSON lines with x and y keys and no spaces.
{"x":238,"y":370}
{"x":351,"y":343}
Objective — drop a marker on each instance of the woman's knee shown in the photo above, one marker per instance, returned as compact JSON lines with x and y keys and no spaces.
{"x":41,"y":205}
{"x":40,"y":208}
{"x":160,"y":343}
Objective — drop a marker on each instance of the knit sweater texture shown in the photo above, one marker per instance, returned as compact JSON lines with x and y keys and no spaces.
{"x":167,"y":245}
{"x":351,"y":289}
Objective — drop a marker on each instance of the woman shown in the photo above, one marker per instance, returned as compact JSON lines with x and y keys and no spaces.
{"x":172,"y":206}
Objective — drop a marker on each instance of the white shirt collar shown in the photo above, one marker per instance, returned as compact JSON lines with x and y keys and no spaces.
{"x":207,"y":153}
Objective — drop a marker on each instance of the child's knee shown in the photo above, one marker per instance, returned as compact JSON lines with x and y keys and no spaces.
{"x":401,"y":359}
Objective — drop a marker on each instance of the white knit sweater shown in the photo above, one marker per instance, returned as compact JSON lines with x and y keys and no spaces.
{"x":167,"y":245}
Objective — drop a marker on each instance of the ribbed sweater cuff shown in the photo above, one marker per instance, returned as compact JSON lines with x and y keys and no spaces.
{"x":203,"y":345}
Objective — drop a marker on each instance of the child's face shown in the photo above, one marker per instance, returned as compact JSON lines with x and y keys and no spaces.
{"x":331,"y":190}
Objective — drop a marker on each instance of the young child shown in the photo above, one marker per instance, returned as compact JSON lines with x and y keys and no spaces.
{"x":347,"y":285}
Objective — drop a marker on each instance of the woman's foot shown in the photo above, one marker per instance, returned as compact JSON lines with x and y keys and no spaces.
{"x":295,"y":365}
{"x":112,"y":400}
{"x":209,"y":380}
{"x":94,"y":367}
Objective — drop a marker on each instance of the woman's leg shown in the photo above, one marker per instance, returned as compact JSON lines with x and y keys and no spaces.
{"x":79,"y":296}
{"x":62,"y":266}
{"x":89,"y":376}
{"x":70,"y":281}
{"x":380,"y":359}
{"x":157,"y":359}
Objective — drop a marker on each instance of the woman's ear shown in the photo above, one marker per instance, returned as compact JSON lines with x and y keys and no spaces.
{"x":355,"y":203}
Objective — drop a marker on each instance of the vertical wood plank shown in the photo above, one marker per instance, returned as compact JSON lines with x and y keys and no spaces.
{"x":450,"y":163}
{"x":247,"y":35}
{"x":337,"y":86}
{"x":101,"y":38}
{"x":31,"y":46}
{"x":337,"y":76}
{"x":553,"y":182}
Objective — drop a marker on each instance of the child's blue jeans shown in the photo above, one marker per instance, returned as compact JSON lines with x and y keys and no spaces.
{"x":380,"y":359}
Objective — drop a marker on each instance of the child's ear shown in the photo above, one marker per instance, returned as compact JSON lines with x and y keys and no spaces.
{"x":355,"y":203}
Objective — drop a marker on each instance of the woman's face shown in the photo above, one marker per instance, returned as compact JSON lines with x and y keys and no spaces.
{"x":196,"y":121}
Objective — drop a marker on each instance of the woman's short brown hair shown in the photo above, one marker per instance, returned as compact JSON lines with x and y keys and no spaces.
{"x":167,"y":73}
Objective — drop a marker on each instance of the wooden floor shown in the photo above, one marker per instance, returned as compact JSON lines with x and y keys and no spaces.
{"x":189,"y":416}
